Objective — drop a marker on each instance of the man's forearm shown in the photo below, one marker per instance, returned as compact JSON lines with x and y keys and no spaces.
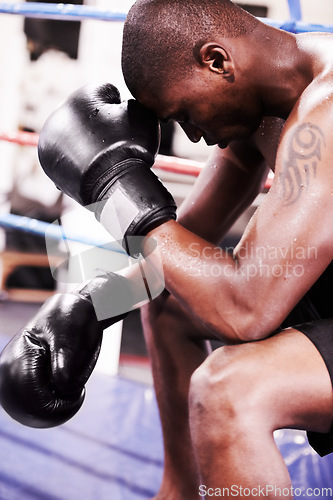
{"x":202,"y":277}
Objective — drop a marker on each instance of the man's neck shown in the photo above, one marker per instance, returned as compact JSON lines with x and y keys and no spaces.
{"x":285,"y":71}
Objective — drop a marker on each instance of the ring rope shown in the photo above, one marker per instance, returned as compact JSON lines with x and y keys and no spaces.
{"x":70,"y":12}
{"x":52,"y":231}
{"x":21,"y":138}
{"x":62,"y":12}
{"x":169,"y":164}
{"x":295,"y":9}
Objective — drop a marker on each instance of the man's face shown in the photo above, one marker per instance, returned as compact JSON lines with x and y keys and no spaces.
{"x":207,"y":107}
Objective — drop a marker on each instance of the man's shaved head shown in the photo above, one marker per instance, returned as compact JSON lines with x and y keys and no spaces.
{"x":164,"y":34}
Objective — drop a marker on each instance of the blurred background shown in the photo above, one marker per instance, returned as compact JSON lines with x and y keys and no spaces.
{"x":41,"y":62}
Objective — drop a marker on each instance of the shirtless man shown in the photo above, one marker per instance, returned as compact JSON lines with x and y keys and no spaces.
{"x":264,"y":98}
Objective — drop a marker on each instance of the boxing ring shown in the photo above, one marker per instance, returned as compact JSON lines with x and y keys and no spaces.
{"x":112,"y":449}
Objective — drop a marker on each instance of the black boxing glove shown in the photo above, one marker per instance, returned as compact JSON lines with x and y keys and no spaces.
{"x":44,"y":368}
{"x":96,"y":148}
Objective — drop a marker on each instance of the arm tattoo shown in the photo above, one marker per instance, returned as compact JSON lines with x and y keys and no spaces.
{"x":304,"y":154}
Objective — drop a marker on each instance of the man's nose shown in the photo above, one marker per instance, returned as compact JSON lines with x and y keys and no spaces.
{"x":192,"y":132}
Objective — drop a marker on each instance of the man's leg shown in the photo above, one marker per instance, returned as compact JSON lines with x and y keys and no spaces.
{"x":176,"y":347}
{"x":240,"y":395}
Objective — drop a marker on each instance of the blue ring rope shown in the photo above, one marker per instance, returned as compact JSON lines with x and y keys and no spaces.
{"x":40,"y":228}
{"x":297,"y":26}
{"x":295,"y":9}
{"x":62,"y":12}
{"x":70,"y":12}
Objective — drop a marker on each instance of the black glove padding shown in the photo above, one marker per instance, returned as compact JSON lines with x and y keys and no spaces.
{"x":44,"y":368}
{"x":95,"y":147}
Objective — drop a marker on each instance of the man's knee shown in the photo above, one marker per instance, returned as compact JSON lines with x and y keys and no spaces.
{"x":224,"y":393}
{"x":154,"y":308}
{"x":164,"y":318}
{"x":212,"y":384}
{"x":153,"y":316}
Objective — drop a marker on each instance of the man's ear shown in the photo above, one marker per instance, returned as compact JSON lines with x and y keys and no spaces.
{"x":216,"y":59}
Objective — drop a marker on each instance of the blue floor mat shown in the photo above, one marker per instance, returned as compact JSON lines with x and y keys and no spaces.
{"x":112,"y":450}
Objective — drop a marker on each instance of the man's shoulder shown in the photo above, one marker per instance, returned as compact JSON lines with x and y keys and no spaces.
{"x":314,"y":108}
{"x":317,"y":96}
{"x":318,"y":93}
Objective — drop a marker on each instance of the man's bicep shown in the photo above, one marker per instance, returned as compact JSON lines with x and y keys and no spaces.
{"x":228,"y":184}
{"x":289,"y":240}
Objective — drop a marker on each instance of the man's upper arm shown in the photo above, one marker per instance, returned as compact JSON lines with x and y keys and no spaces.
{"x":288,"y":243}
{"x":228,"y":184}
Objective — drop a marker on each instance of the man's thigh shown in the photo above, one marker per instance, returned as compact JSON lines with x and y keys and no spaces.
{"x":284,"y":374}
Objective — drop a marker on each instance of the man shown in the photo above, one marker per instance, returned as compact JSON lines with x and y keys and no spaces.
{"x":264,"y":98}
